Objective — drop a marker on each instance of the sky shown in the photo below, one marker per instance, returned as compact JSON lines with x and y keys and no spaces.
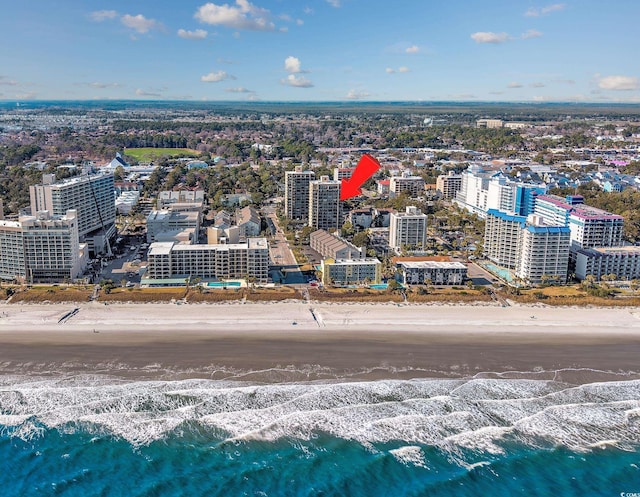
{"x":320,"y":50}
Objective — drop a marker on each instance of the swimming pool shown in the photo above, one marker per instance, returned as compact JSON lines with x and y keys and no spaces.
{"x":223,"y":284}
{"x":503,"y":273}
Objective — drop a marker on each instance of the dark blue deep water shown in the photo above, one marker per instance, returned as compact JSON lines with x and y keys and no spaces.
{"x":89,"y":436}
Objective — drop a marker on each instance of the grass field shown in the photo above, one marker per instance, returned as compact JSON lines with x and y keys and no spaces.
{"x":150,"y":154}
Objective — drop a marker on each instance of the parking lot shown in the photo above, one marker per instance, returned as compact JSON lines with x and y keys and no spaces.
{"x":129,"y":262}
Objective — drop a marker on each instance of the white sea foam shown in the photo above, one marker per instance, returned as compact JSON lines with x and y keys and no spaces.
{"x":454,"y":415}
{"x":410,"y":455}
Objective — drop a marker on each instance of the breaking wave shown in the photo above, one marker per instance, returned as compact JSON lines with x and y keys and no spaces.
{"x":98,"y":435}
{"x":477,"y":414}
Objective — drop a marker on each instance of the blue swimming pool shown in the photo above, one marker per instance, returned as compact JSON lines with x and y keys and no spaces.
{"x":380,"y":286}
{"x":505,"y":274}
{"x":223,"y":284}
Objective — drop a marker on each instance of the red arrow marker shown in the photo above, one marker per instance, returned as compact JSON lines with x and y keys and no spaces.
{"x":366,"y":168}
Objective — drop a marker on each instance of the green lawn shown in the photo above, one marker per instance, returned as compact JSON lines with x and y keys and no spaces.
{"x":148,"y":154}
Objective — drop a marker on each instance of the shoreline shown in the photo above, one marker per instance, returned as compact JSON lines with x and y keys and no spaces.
{"x":260,"y":342}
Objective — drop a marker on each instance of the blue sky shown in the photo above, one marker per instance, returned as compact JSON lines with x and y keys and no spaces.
{"x":319,"y":50}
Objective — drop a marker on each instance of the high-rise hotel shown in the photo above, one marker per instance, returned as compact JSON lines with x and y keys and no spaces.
{"x":91,"y":196}
{"x":41,"y":248}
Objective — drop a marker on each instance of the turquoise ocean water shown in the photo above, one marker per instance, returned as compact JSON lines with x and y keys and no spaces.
{"x":94,"y":435}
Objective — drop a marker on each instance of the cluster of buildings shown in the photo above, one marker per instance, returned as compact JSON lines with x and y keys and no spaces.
{"x":71,"y":220}
{"x":315,"y":201}
{"x":342,"y":262}
{"x":233,"y":250}
{"x":561,"y":236}
{"x":481,"y":191}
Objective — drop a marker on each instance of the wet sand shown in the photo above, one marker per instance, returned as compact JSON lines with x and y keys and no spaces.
{"x":289,"y":342}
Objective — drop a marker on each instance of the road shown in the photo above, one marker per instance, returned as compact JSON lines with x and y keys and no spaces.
{"x":280,"y":253}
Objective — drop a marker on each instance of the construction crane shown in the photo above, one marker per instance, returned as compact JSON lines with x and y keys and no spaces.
{"x":104,"y":231}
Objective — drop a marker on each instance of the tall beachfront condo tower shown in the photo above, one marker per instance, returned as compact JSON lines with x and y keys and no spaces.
{"x":324,"y":204}
{"x":41,"y":249}
{"x":544,"y":252}
{"x":502,"y":238}
{"x":91,"y":196}
{"x":408,"y":229}
{"x":296,"y":197}
{"x":590,"y":227}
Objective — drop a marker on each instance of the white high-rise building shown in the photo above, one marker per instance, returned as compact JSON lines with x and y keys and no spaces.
{"x":502,"y":238}
{"x":324,"y":204}
{"x":532,"y":248}
{"x":91,"y":196}
{"x":41,"y":248}
{"x":408,"y":229}
{"x":296,"y":193}
{"x":481,"y":191}
{"x":544,"y":252}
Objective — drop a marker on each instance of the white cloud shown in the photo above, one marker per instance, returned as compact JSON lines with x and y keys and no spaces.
{"x":533,"y":12}
{"x":357,"y":94}
{"x":297,"y":81}
{"x":618,"y":83}
{"x":412,"y":49}
{"x":537,"y":85}
{"x":244,"y":15}
{"x":216,"y":77}
{"x":514,"y":84}
{"x":198,"y":34}
{"x":496,"y":93}
{"x":143,"y":93}
{"x":103,"y":15}
{"x":308,"y":10}
{"x":489,"y":37}
{"x":139,"y":23}
{"x":334,"y":3}
{"x":541,"y":98}
{"x":531,"y":33}
{"x":104,"y":85}
{"x":299,"y":22}
{"x":239,"y":89}
{"x":8,"y":82}
{"x":292,"y":65}
{"x":401,"y":69}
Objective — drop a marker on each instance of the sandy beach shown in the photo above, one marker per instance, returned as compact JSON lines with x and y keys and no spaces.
{"x":296,"y":341}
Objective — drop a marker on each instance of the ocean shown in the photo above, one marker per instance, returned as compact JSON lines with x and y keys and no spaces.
{"x":85,"y":435}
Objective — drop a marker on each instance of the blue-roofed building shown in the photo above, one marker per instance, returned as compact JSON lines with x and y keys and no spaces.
{"x":502,"y":238}
{"x":534,"y":250}
{"x":544,"y":252}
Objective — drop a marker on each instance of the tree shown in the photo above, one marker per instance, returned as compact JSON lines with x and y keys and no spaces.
{"x":118,"y":173}
{"x":361,"y":239}
{"x":347,"y":229}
